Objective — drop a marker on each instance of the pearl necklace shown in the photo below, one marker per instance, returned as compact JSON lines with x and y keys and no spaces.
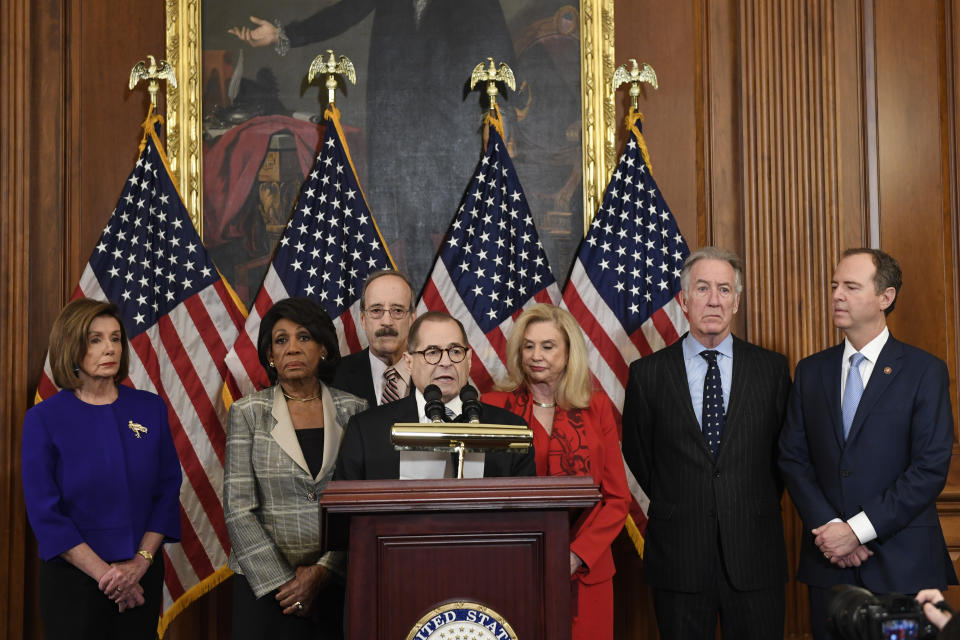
{"x":545,"y":405}
{"x":290,"y":397}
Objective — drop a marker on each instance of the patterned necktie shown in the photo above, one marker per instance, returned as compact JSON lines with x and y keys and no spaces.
{"x":712,"y":414}
{"x":852,"y":393}
{"x":450,"y":414}
{"x":391,"y":378}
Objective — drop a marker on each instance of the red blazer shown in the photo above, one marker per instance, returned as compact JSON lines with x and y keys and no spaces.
{"x":601,"y":458}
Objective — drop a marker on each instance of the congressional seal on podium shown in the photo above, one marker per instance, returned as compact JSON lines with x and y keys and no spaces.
{"x":460,"y":619}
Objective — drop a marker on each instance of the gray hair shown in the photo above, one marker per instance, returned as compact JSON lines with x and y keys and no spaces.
{"x":380,"y":273}
{"x":712,"y":253}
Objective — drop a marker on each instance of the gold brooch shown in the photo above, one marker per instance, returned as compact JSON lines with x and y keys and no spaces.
{"x":137,"y":428}
{"x":887,"y":370}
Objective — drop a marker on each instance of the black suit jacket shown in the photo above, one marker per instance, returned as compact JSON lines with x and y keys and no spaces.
{"x":354,"y":376}
{"x":368,"y":454}
{"x":694,"y":497}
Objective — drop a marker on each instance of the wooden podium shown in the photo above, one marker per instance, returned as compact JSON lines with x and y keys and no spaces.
{"x":416,"y":544}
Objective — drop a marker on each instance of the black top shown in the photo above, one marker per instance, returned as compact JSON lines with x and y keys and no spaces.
{"x":311,"y":443}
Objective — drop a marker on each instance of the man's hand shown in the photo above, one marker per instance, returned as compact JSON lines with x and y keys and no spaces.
{"x":264,"y":34}
{"x":835,"y":540}
{"x":854,"y":559}
{"x":927,"y":599}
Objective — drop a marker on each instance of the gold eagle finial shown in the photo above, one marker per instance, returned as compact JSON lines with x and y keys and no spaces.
{"x":330,"y":69}
{"x":492,"y":75}
{"x":635,"y":76}
{"x":153,"y":72}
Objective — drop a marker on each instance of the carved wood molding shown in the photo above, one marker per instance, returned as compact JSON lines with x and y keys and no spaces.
{"x":790,"y":149}
{"x":15,"y":74}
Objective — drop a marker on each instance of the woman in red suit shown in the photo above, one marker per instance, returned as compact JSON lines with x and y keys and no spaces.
{"x":574,"y":434}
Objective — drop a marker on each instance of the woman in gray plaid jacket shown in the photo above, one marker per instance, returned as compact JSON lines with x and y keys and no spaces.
{"x":282,"y":443}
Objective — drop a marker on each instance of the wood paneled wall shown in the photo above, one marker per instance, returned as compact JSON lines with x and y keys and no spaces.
{"x":786,"y":130}
{"x":798,"y":128}
{"x":68,"y":137}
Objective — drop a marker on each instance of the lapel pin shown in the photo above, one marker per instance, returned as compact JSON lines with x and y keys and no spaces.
{"x":887,"y":371}
{"x":137,"y":428}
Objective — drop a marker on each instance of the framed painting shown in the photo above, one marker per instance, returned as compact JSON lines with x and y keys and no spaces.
{"x":243,"y":112}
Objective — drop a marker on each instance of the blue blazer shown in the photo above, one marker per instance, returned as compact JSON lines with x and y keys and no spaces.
{"x":892,"y":466}
{"x":87,"y":477}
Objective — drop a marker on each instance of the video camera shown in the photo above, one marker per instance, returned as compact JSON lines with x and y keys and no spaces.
{"x":856,"y":614}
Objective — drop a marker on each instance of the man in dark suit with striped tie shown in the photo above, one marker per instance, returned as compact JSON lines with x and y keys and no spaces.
{"x":378,"y":373}
{"x":701,"y":420}
{"x":866,"y":448}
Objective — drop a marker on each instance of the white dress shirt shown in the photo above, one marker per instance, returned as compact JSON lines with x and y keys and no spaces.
{"x":860,"y":523}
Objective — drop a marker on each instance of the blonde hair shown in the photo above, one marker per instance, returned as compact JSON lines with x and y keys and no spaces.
{"x":575,"y":386}
{"x":68,"y":340}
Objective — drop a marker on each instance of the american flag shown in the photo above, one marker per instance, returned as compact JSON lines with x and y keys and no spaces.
{"x":624,"y":287}
{"x":491,"y":264}
{"x":181,"y":318}
{"x":329,"y":246}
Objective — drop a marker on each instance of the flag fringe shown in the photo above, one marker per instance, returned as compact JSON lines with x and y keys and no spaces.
{"x":193,"y":594}
{"x":494,"y":120}
{"x":635,"y":536}
{"x":332,"y":114}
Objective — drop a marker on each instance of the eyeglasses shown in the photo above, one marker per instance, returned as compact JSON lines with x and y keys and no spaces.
{"x":397,"y":313}
{"x":432,"y":355}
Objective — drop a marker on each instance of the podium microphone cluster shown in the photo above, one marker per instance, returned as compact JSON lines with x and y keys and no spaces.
{"x":435,"y":410}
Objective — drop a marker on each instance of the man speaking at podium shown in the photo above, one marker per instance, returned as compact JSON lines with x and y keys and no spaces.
{"x":437,"y":354}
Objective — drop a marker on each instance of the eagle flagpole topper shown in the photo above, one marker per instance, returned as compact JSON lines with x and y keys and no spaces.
{"x":492,"y":75}
{"x":153,"y":72}
{"x":330,"y":69}
{"x":634,"y":76}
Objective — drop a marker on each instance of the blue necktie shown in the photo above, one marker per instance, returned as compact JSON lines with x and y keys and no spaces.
{"x":449,"y":413}
{"x":852,"y":393}
{"x":712,"y":414}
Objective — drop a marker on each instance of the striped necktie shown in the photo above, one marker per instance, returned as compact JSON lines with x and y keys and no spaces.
{"x":391,"y":378}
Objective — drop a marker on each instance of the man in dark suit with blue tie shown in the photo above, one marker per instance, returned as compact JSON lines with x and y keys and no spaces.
{"x":866,"y":448}
{"x":701,"y":420}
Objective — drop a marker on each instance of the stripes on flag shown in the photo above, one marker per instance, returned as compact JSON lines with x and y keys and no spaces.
{"x":624,"y":286}
{"x":180,"y":317}
{"x":491,"y":264}
{"x":326,"y":251}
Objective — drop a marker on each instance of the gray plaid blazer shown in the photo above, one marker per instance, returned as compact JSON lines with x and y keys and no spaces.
{"x":270,"y":500}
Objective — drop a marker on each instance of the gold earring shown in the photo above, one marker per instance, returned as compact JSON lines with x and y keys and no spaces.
{"x":272,"y":366}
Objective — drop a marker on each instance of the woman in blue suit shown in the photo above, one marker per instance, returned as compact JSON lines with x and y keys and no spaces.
{"x":101,"y":480}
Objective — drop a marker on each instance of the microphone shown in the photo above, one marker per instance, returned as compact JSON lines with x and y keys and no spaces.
{"x":471,"y":404}
{"x":434,"y":407}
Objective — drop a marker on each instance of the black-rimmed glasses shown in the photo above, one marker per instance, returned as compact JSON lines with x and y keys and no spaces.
{"x":397,"y":313}
{"x":432,"y":355}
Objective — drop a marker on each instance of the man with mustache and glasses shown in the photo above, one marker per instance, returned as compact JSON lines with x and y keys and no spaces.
{"x":378,"y":373}
{"x":438,"y":354}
